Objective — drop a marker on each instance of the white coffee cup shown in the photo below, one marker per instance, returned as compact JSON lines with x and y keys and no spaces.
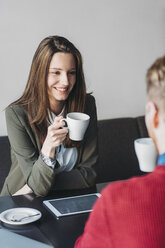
{"x":77,"y":125}
{"x":146,"y":153}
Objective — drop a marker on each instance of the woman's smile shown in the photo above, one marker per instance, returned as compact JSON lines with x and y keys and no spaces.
{"x":62,"y":90}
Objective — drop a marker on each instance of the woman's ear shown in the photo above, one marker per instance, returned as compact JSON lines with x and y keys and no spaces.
{"x":152,"y":114}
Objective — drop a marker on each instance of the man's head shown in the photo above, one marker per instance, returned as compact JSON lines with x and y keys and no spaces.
{"x":155,"y":106}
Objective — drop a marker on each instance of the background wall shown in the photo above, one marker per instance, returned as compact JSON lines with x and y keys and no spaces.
{"x":118,"y":40}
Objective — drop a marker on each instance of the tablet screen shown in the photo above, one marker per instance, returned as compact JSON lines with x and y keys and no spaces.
{"x":72,"y":205}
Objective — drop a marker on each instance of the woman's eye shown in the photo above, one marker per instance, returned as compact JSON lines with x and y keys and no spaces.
{"x":72,"y":73}
{"x":56,"y":72}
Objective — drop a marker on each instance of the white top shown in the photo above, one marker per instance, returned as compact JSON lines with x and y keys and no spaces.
{"x":66,"y":157}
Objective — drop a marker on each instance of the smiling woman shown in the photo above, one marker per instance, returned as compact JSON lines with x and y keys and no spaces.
{"x":44,"y":159}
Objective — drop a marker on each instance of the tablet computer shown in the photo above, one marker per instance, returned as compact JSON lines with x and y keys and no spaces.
{"x":71,"y":205}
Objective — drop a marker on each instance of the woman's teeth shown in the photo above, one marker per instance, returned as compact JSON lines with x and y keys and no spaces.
{"x":62,"y":89}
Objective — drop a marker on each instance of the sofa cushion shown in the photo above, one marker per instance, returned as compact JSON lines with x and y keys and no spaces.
{"x":117,"y":158}
{"x":5,"y":161}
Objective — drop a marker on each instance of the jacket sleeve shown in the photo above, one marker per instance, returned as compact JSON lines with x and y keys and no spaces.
{"x":36,"y":173}
{"x":84,"y":173}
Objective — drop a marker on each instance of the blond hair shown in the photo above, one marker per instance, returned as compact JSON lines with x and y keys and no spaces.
{"x":155,"y":82}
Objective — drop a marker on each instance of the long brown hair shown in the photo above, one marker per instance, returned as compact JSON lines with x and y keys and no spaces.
{"x":35,"y":97}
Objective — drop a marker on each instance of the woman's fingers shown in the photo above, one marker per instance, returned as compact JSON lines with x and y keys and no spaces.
{"x":58,"y":121}
{"x":57,"y":124}
{"x":53,"y":131}
{"x":58,"y":118}
{"x":55,"y":137}
{"x":57,"y":132}
{"x":58,"y":140}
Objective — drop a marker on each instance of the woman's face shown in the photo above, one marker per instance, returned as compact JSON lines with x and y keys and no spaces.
{"x":61,"y":78}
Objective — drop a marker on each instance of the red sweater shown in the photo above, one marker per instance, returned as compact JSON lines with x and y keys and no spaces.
{"x":129,"y":214}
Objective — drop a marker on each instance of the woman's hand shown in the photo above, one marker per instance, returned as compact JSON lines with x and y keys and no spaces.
{"x":24,"y":190}
{"x":55,"y":136}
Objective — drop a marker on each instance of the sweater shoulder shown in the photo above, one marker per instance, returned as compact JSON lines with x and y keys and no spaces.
{"x":128,"y":190}
{"x":17,"y":109}
{"x":15,"y":113}
{"x":90,"y":105}
{"x":89,"y":99}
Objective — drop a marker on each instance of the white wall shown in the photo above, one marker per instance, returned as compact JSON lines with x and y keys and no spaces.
{"x":118,"y":39}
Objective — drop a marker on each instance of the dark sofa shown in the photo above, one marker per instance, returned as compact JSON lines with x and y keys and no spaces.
{"x":117,"y":159}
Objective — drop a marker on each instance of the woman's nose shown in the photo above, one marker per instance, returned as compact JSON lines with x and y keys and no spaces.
{"x":64,"y":79}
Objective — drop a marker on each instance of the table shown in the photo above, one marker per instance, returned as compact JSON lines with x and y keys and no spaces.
{"x":60,"y":233}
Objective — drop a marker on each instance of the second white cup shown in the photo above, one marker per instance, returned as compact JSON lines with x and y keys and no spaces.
{"x":146,"y":153}
{"x":77,"y":125}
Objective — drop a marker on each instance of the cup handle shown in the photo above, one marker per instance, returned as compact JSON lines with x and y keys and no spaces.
{"x":65,"y":120}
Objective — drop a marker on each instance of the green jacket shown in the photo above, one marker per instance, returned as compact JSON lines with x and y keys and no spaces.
{"x":27,"y":166}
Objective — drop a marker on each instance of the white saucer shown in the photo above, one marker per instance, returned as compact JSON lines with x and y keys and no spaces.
{"x":19,"y":213}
